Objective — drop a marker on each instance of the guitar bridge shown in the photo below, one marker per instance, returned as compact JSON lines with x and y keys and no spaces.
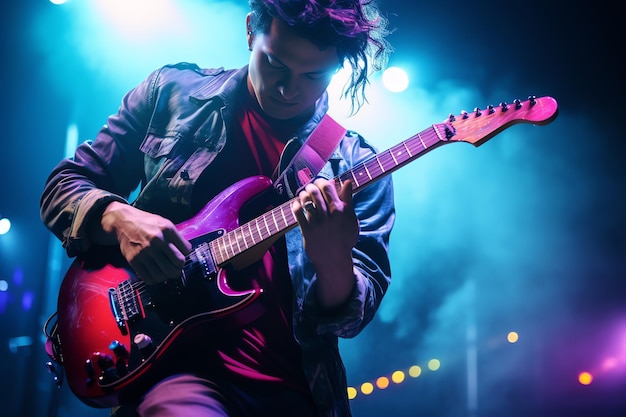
{"x":117,"y":311}
{"x":125,"y":305}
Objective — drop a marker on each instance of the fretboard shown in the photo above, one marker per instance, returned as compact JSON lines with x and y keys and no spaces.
{"x":281,"y":219}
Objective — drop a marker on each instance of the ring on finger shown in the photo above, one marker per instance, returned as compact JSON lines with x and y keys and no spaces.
{"x":309,"y":205}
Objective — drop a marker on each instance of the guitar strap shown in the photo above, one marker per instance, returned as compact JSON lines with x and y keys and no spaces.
{"x":309,"y":159}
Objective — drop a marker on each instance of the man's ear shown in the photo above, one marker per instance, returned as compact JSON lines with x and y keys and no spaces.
{"x":249,"y":33}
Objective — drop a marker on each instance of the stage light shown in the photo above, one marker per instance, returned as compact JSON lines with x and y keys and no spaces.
{"x":395,"y":79}
{"x":58,"y":1}
{"x":585,"y":378}
{"x":415,"y":371}
{"x":382,"y":382}
{"x":512,"y":337}
{"x":397,"y":377}
{"x":434,"y":364}
{"x":367,"y":388}
{"x":5,"y":226}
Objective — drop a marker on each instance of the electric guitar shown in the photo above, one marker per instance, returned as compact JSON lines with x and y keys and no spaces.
{"x":113,"y":333}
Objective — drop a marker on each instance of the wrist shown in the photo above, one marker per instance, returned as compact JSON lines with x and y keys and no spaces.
{"x":104,"y":225}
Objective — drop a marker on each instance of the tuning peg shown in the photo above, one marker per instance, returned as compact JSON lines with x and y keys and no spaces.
{"x":451,"y":118}
{"x":490,"y":109}
{"x":504,"y":106}
{"x":518,"y":104}
{"x":533,"y":100}
{"x":464,"y":114}
{"x":477,"y":111}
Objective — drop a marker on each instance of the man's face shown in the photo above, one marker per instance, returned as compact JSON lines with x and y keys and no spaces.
{"x":287,"y":73}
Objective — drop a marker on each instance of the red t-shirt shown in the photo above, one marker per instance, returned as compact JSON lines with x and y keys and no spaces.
{"x":265,"y":348}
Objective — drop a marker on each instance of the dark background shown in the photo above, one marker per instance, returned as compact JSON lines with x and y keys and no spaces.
{"x":525,"y":233}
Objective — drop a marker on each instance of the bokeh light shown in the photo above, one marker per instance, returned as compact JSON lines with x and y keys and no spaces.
{"x":367,"y":388}
{"x":434,"y":364}
{"x":415,"y":371}
{"x":395,"y":79}
{"x":382,"y":382}
{"x":397,"y":377}
{"x":5,"y":226}
{"x":512,"y":337}
{"x":585,"y":378}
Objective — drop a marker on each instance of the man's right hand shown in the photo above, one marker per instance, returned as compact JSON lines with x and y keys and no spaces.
{"x":150,"y":243}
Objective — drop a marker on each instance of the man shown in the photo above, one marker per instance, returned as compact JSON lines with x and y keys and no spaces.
{"x":184,"y":135}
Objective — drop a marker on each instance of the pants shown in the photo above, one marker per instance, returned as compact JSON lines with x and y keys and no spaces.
{"x":187,"y":395}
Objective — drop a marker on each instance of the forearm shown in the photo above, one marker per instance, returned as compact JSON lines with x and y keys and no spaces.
{"x":70,"y":205}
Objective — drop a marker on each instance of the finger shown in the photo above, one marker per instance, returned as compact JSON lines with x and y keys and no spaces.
{"x":309,"y":206}
{"x":298,"y":211}
{"x":177,"y":247}
{"x":346,"y":193}
{"x":159,"y":268}
{"x":312,"y":192}
{"x":147,"y":271}
{"x":173,"y":235}
{"x":307,"y":201}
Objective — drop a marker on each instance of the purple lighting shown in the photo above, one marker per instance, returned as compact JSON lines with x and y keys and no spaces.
{"x":27,"y":300}
{"x":18,"y":276}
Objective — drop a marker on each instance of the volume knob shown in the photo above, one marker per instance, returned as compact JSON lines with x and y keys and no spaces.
{"x":145,"y":345}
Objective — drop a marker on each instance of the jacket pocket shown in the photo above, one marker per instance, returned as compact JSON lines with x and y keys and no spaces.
{"x":158,"y":150}
{"x":157,"y":146}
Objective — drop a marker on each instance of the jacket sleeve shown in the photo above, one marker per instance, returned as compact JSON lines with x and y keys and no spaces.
{"x":375,"y":209}
{"x":106,"y":169}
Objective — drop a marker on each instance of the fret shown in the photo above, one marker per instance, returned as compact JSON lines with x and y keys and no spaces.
{"x":367,"y":171}
{"x":388,"y":163}
{"x":437,"y":132}
{"x":274,"y":219}
{"x":220,"y":252}
{"x":269,"y":232}
{"x":234,"y":242}
{"x":379,"y":164}
{"x":243,"y":236}
{"x":402,"y":156}
{"x":419,"y":135}
{"x":258,"y":229}
{"x":407,"y":149}
{"x":356,"y":182}
{"x":238,"y":238}
{"x":251,"y":233}
{"x":282,"y":212}
{"x":230,"y":245}
{"x":394,"y":157}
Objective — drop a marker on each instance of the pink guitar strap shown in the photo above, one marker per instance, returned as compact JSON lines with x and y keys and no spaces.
{"x":309,"y":159}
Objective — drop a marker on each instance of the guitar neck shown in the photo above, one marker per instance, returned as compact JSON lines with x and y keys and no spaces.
{"x":280,"y":220}
{"x":475,"y":128}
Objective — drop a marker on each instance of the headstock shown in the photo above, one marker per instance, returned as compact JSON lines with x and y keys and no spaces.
{"x":482,"y":124}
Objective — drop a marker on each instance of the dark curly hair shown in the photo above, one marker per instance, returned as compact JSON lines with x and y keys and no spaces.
{"x":355,"y":27}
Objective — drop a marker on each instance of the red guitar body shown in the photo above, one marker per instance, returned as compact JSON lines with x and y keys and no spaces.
{"x":103,"y":307}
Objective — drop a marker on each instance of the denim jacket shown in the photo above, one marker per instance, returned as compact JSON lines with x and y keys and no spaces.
{"x":166,"y":132}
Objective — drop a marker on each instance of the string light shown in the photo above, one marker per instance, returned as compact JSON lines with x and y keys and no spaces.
{"x":397,"y":377}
